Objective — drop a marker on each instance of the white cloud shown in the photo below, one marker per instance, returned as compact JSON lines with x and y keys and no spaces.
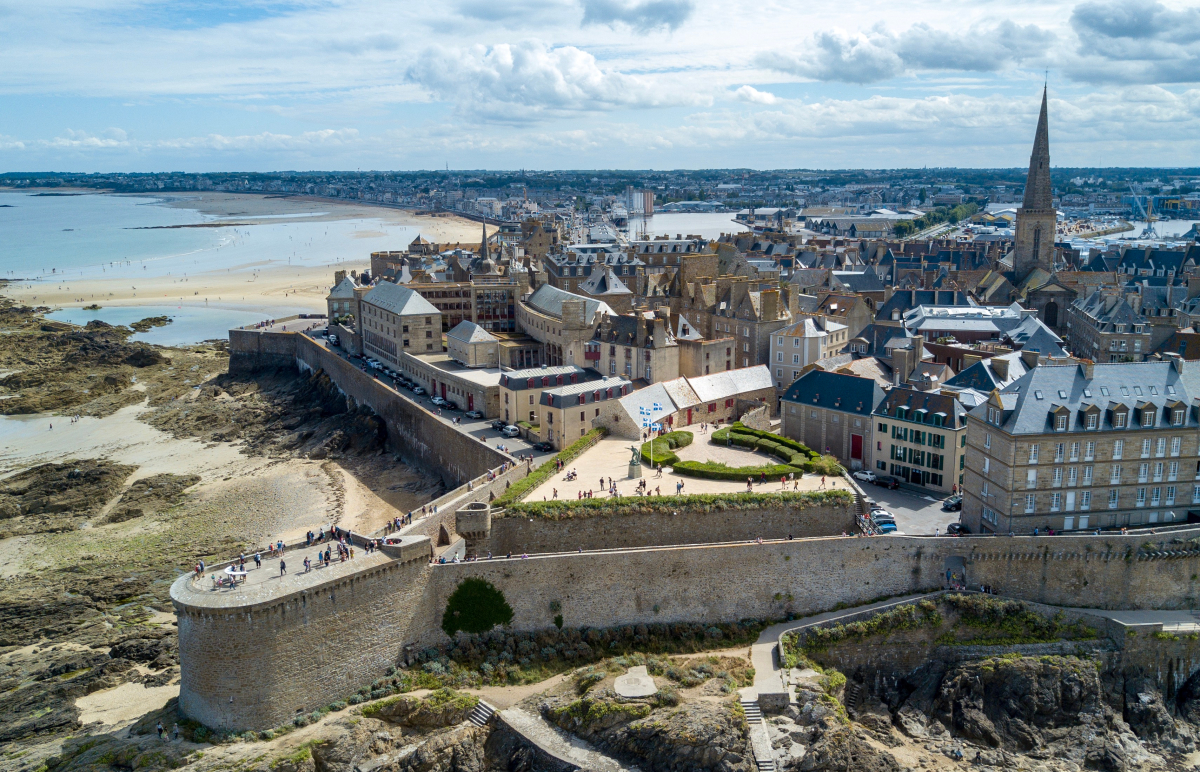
{"x":530,"y":80}
{"x":754,"y":96}
{"x":1135,"y":41}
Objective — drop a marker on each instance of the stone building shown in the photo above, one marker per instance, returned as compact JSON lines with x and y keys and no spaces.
{"x":832,"y":413}
{"x":473,"y":346}
{"x":1085,"y":446}
{"x":397,"y":320}
{"x":733,"y":306}
{"x":562,"y":322}
{"x":521,"y":390}
{"x":342,"y":300}
{"x":572,"y":266}
{"x":638,"y":346}
{"x":1105,"y":327}
{"x":699,"y":355}
{"x":920,"y":437}
{"x":488,"y":300}
{"x":566,"y":413}
{"x":809,"y":340}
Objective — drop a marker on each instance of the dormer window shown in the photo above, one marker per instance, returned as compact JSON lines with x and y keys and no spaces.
{"x":1060,"y":423}
{"x":1119,"y":420}
{"x":1176,"y":418}
{"x":1147,"y":418}
{"x":1091,"y":421}
{"x":1137,"y":328}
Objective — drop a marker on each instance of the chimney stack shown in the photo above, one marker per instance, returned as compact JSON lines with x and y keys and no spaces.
{"x":770,"y":305}
{"x":1000,"y":367}
{"x":1089,"y":369}
{"x":1030,"y":358}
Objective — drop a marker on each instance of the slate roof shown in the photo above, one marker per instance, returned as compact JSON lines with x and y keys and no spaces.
{"x":518,"y":380}
{"x":549,"y":299}
{"x":1132,"y":384}
{"x":469,"y":332}
{"x":867,"y":281}
{"x":729,"y":383}
{"x":835,"y":391}
{"x":344,"y":290}
{"x":904,"y":300}
{"x":399,"y":300}
{"x":982,"y":375}
{"x":604,"y":283}
{"x":954,"y":414}
{"x":568,"y":395}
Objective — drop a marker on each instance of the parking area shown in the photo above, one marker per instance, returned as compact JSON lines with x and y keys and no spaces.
{"x":917,"y":513}
{"x":479,"y":428}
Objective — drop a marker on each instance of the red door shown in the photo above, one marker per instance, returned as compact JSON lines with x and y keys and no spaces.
{"x":856,"y":446}
{"x":689,"y":423}
{"x":443,"y":391}
{"x":470,"y":402}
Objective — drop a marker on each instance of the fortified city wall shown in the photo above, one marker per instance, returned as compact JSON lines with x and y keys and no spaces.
{"x":413,"y":431}
{"x":275,"y":652}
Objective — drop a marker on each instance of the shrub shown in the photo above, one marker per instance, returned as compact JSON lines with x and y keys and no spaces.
{"x":826,"y":465}
{"x":715,"y":471}
{"x":695,"y":503}
{"x":475,"y":606}
{"x":522,"y":487}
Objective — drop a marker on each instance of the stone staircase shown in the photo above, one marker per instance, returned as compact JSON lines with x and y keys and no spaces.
{"x":760,"y":741}
{"x":481,"y":714}
{"x":853,"y":694}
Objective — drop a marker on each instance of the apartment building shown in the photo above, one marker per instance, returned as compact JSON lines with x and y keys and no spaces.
{"x":832,"y":413}
{"x":809,"y":340}
{"x":1085,"y":446}
{"x":921,"y":438}
{"x":397,"y":320}
{"x":1104,"y":327}
{"x":521,"y":390}
{"x":566,"y":413}
{"x":638,"y":346}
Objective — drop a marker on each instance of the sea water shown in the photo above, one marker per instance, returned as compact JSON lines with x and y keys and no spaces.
{"x":61,"y":239}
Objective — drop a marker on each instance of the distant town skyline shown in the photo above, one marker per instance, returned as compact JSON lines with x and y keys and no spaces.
{"x":113,"y":85}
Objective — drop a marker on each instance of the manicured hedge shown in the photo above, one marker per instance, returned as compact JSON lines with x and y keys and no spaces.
{"x":663,"y":446}
{"x":746,"y":437}
{"x":567,"y":509}
{"x":544,"y":472}
{"x":715,"y":471}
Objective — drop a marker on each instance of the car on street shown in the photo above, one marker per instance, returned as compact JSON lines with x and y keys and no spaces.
{"x":882,"y":514}
{"x":891,"y":483}
{"x":473,"y":414}
{"x":886,"y":526}
{"x":543,"y":447}
{"x":418,"y":390}
{"x":333,"y":340}
{"x":952,"y":504}
{"x":865,"y":476}
{"x":437,"y":400}
{"x":510,"y":431}
{"x":499,"y":424}
{"x":956,"y":529}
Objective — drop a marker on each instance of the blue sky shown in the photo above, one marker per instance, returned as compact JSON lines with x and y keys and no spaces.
{"x":127,"y":85}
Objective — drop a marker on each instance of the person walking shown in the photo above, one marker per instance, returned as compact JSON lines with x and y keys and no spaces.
{"x":282,"y":568}
{"x":257,"y":560}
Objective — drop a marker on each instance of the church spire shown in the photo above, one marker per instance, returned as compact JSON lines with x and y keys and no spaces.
{"x":1038,"y":194}
{"x":483,"y":247}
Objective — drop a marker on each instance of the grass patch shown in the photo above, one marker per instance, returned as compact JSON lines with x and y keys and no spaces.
{"x":522,"y":487}
{"x":691,"y":504}
{"x":923,"y":613}
{"x":989,"y":621}
{"x":660,"y":450}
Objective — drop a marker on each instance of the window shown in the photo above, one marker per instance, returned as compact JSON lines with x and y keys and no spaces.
{"x":1143,"y":472}
{"x":1112,"y":499}
{"x":1087,"y":475}
{"x":1146,"y":448}
{"x":987,"y":440}
{"x":779,"y":356}
{"x":1085,"y":501}
{"x":991,"y":415}
{"x":1055,"y":502}
{"x":1155,"y":496}
{"x":1115,"y":478}
{"x":984,"y":491}
{"x":1033,"y":453}
{"x":1072,"y":475}
{"x":1031,"y":478}
{"x":1119,"y":420}
{"x":1196,"y":494}
{"x":987,"y":465}
{"x":1141,"y":497}
{"x":1118,"y":449}
{"x":1176,"y":418}
{"x":1028,"y":503}
{"x":1170,"y":500}
{"x":1176,"y":443}
{"x":1059,"y":452}
{"x":1057,"y":477}
{"x":1074,"y":451}
{"x":1060,"y":423}
{"x":1173,"y":473}
{"x":1147,"y":417}
{"x":1089,"y":451}
{"x":1091,"y":421}
{"x":1160,"y":447}
{"x":1158,"y":471}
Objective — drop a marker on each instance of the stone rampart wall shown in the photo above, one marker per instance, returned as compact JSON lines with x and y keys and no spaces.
{"x":691,"y":525}
{"x":413,"y":431}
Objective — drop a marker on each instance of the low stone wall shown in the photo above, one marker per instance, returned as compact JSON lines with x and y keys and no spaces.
{"x":689,"y":524}
{"x":251,"y":350}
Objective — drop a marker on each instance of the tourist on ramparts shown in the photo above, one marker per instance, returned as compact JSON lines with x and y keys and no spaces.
{"x":257,"y":560}
{"x":282,"y":568}
{"x":307,"y":565}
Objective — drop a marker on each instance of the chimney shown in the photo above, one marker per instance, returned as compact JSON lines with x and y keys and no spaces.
{"x":1193,"y":286}
{"x":737,"y":292}
{"x":338,"y":276}
{"x":970,"y":359}
{"x":1030,"y":358}
{"x":641,"y":328}
{"x":1000,"y":367}
{"x":769,"y":300}
{"x":1176,"y":360}
{"x":1088,"y":368}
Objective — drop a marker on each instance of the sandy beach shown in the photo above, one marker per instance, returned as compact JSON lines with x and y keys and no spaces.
{"x":266,"y":283}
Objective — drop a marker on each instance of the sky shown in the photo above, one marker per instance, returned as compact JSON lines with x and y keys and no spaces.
{"x":266,"y":85}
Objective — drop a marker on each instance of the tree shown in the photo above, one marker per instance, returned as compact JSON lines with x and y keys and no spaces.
{"x":475,"y":606}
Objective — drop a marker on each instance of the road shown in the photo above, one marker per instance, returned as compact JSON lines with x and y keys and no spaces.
{"x":479,"y":428}
{"x":917,"y":514}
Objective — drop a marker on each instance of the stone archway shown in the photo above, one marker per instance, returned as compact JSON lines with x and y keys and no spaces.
{"x":954,"y":570}
{"x":1050,"y":314}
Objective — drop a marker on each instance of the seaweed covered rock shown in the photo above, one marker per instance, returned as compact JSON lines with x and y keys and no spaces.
{"x":440,"y":708}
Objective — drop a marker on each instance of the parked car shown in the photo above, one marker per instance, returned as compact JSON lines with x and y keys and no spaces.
{"x":952,"y":504}
{"x":333,"y":339}
{"x":543,"y":447}
{"x":956,"y":529}
{"x":450,"y":405}
{"x":473,"y":414}
{"x":510,"y":431}
{"x":418,"y":390}
{"x":886,"y":526}
{"x":865,"y":476}
{"x":437,"y":400}
{"x":499,"y":424}
{"x":891,"y":483}
{"x":882,"y":515}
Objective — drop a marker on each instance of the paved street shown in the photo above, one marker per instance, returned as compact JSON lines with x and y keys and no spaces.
{"x":479,"y":428}
{"x":916,"y":514}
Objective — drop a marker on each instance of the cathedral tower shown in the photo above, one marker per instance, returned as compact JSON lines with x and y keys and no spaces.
{"x":1036,"y":219}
